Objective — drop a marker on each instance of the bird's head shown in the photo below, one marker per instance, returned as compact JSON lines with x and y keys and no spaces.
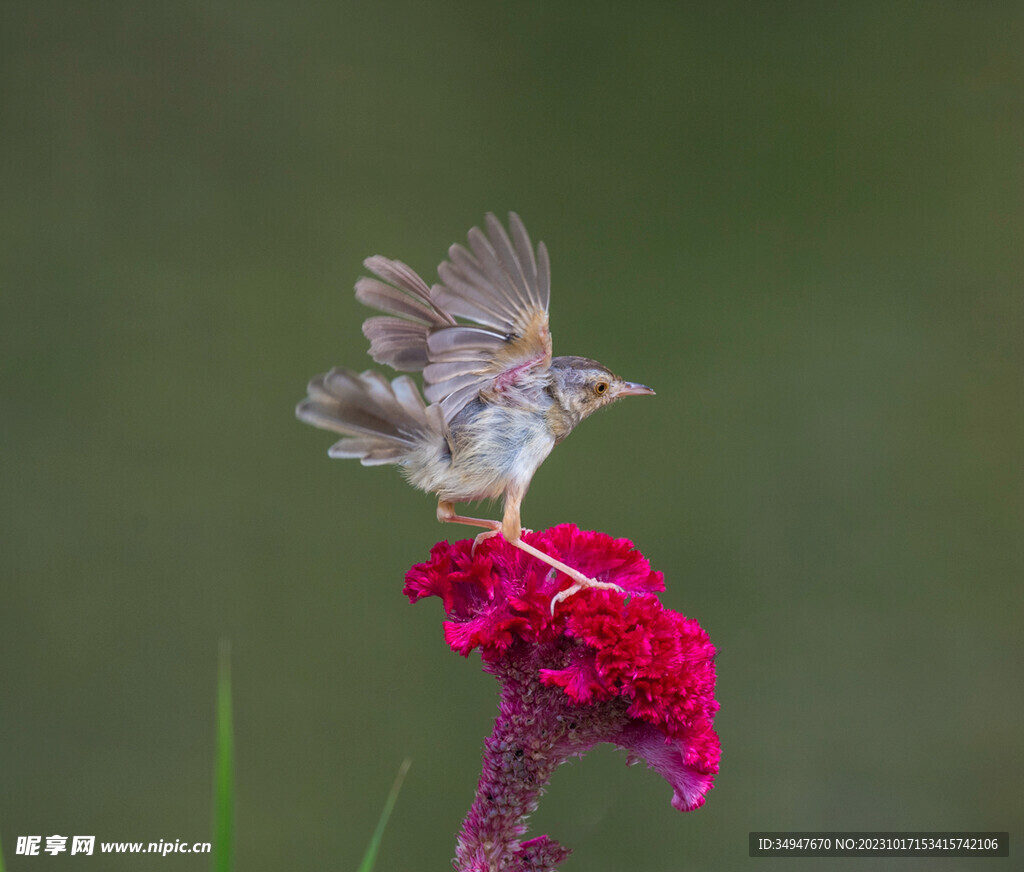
{"x":581,"y":386}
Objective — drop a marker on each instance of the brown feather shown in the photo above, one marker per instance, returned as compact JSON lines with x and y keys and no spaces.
{"x":499,"y":283}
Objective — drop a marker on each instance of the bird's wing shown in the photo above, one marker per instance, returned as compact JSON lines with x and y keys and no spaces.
{"x":500,"y":285}
{"x":399,"y":338}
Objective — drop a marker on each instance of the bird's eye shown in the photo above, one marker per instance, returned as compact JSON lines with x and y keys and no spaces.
{"x":601,"y":387}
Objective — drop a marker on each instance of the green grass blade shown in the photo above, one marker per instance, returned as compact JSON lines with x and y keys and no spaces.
{"x":1,"y":858}
{"x":370,"y":857}
{"x":224,"y":771}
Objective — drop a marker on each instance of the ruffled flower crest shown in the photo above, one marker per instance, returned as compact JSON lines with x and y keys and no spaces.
{"x":608,"y":666}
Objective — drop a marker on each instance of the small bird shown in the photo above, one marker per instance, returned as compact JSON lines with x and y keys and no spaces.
{"x":499,"y":402}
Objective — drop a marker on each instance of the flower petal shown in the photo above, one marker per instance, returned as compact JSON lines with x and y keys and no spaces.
{"x":690,"y":781}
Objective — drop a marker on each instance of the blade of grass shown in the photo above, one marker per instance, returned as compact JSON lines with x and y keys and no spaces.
{"x":224,"y":771}
{"x":370,"y":857}
{"x":1,"y":858}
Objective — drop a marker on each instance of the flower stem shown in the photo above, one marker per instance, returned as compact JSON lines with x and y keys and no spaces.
{"x":537,"y":729}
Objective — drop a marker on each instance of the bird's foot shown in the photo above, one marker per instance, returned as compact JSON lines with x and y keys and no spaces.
{"x":581,"y":583}
{"x":489,"y":534}
{"x":482,"y":537}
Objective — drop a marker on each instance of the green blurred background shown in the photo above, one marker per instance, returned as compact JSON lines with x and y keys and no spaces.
{"x":801,"y":223}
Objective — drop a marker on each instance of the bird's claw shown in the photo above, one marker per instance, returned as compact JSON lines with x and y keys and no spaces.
{"x":582,"y":583}
{"x":489,"y":534}
{"x":482,"y":537}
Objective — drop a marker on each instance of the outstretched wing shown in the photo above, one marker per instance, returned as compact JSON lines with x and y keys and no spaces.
{"x":399,"y":338}
{"x":499,"y":284}
{"x":503,"y":288}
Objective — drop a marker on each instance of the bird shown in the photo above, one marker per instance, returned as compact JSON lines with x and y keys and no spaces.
{"x":497,"y":400}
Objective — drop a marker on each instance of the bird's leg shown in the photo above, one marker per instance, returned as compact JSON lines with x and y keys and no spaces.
{"x":446,"y":514}
{"x":511,"y":529}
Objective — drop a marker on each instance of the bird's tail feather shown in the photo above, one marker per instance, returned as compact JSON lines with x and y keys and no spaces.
{"x":384,"y":422}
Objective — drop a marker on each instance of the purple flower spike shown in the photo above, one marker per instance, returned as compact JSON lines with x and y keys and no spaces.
{"x":606,"y":667}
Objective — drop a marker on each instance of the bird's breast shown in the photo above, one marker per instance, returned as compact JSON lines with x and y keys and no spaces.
{"x":494,"y":446}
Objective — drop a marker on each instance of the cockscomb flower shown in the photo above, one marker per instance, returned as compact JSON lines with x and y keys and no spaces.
{"x":608,"y":666}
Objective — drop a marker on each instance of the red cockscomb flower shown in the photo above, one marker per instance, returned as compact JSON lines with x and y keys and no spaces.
{"x":608,"y":666}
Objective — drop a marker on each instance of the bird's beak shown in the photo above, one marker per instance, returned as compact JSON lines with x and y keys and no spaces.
{"x":632,"y":389}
